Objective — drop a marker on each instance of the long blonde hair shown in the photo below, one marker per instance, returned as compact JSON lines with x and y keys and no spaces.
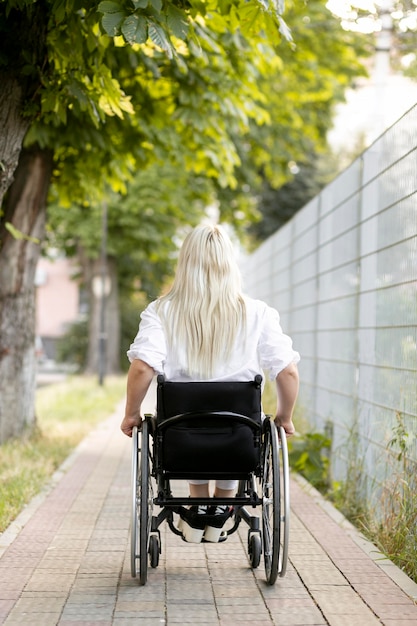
{"x":204,"y":309}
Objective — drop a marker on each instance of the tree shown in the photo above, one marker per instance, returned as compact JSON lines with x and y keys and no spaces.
{"x":277,"y":206}
{"x":60,"y":75}
{"x":36,"y":78}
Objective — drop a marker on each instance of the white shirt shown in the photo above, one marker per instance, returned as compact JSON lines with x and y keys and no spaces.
{"x":262,"y":346}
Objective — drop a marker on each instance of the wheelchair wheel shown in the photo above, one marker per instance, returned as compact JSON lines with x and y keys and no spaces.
{"x":254,"y":549}
{"x":154,"y":550}
{"x":141,"y":504}
{"x":285,"y":502}
{"x":271,"y":502}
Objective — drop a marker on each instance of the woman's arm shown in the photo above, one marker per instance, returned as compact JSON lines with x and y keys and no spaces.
{"x":287,"y":383}
{"x":138,"y":380}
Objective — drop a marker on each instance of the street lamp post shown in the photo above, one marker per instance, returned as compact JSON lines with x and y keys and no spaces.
{"x":104,"y":287}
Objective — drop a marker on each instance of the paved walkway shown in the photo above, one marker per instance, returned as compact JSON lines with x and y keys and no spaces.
{"x":66,"y":561}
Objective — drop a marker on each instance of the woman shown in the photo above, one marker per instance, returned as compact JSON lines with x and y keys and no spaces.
{"x":204,"y":328}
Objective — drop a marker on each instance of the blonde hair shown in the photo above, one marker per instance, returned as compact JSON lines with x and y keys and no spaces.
{"x":204,"y":309}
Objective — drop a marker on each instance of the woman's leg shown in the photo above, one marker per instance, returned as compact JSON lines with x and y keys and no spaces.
{"x":199,"y":490}
{"x":225,"y":488}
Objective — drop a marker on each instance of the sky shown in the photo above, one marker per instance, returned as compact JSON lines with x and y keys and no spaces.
{"x":368,"y":24}
{"x":344,"y":9}
{"x":381,"y":100}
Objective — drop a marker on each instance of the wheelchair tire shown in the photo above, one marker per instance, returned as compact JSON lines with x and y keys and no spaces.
{"x":254,"y":549}
{"x":134,"y":529}
{"x":285,"y":502}
{"x":271,"y":514}
{"x":141,"y":505}
{"x":154,"y":551}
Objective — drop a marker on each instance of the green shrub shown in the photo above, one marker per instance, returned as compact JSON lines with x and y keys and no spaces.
{"x":309,"y":456}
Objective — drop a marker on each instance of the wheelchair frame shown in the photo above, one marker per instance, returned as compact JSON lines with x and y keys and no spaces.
{"x":268,"y":487}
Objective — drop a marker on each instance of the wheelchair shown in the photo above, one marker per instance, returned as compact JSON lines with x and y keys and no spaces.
{"x":211,"y":430}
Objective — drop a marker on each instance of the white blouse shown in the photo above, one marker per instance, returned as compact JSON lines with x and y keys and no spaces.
{"x":262,"y":346}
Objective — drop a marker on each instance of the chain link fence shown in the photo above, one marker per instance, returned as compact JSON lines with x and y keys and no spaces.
{"x":343,"y":274}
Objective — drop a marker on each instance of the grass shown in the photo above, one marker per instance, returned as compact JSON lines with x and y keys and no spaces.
{"x":396,"y":533}
{"x":66,"y":413}
{"x":393,"y":527}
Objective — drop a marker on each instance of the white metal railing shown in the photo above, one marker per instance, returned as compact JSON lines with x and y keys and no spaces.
{"x":343,"y":274}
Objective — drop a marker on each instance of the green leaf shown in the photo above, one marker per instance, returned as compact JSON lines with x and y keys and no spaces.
{"x":249,"y":15}
{"x":134,"y":29}
{"x":113,"y":15}
{"x":157,"y":4}
{"x":60,"y":11}
{"x":75,"y":90}
{"x":159,"y":38}
{"x":109,"y":7}
{"x":140,"y":4}
{"x":111,"y":23}
{"x":177,"y":22}
{"x":284,"y":29}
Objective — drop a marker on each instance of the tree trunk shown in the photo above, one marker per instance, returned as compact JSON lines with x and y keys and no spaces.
{"x":25,"y":210}
{"x":13,"y":128}
{"x":103,"y":348}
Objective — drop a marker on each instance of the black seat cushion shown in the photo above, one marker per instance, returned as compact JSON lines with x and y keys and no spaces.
{"x":205,"y":447}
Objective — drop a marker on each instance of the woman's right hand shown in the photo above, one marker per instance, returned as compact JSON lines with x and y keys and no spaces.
{"x":128,"y":424}
{"x":287,"y":425}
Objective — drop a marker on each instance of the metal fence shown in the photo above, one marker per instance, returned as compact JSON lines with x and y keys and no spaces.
{"x":343,"y":274}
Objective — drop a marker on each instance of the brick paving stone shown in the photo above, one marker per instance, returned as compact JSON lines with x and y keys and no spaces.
{"x":40,"y":619}
{"x":242,"y":601}
{"x":346,"y":620}
{"x":398,"y":611}
{"x":399,"y":621}
{"x":40,"y":605}
{"x":259,"y":622}
{"x":143,"y":614}
{"x":299,"y":617}
{"x":180,"y":618}
{"x":135,"y":621}
{"x":373,"y":597}
{"x":84,"y":622}
{"x":245,"y":609}
{"x":6,"y":606}
{"x":325,"y":574}
{"x":339,"y":600}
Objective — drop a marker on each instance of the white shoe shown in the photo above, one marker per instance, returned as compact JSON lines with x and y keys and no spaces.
{"x":192,"y":523}
{"x":216,"y":519}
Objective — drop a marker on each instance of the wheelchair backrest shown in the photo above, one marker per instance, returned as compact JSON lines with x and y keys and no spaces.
{"x":176,"y":398}
{"x":208,"y":428}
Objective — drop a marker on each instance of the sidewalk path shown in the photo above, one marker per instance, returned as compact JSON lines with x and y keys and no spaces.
{"x":66,"y":561}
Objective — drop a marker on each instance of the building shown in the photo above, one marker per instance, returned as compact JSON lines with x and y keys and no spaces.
{"x":58,"y":302}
